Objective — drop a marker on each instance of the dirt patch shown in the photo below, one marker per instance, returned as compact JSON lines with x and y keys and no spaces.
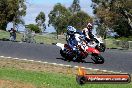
{"x":12,"y":84}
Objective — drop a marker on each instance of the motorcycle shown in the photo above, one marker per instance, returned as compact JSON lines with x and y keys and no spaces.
{"x":80,"y":54}
{"x":96,"y":43}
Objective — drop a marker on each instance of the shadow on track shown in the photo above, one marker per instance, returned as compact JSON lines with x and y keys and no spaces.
{"x":82,"y":61}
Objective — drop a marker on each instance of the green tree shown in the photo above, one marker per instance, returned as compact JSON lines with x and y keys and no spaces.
{"x":34,"y":28}
{"x":20,"y":13}
{"x":59,"y":17}
{"x":11,"y":11}
{"x":80,"y":20}
{"x":75,"y":7}
{"x":3,"y":11}
{"x":40,"y":20}
{"x":114,"y":14}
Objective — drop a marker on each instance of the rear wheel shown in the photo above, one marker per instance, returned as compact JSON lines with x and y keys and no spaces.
{"x":98,"y":59}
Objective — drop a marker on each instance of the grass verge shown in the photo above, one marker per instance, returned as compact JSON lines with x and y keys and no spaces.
{"x":46,"y":38}
{"x":41,"y":75}
{"x":110,"y":43}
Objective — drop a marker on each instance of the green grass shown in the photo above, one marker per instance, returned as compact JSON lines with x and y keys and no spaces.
{"x":125,"y":39}
{"x":51,"y":38}
{"x":4,"y":34}
{"x":110,"y":43}
{"x":50,"y":80}
{"x":46,"y":39}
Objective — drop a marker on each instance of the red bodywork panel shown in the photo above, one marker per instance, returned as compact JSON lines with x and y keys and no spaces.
{"x":92,"y":50}
{"x":67,"y":46}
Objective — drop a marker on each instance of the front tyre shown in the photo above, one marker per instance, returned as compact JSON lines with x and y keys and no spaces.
{"x":98,"y":59}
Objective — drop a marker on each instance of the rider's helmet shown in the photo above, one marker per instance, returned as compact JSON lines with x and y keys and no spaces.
{"x":70,"y":30}
{"x":89,"y":26}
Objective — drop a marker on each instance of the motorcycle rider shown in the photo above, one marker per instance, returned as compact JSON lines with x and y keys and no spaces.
{"x":76,"y":37}
{"x":87,"y":32}
{"x":12,"y":34}
{"x":71,"y":41}
{"x":76,"y":41}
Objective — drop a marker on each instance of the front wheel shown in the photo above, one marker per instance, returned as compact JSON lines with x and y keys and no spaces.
{"x":101,"y":48}
{"x":98,"y":59}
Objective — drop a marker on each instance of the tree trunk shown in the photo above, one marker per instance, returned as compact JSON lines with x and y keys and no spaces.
{"x":13,"y":24}
{"x":129,"y":17}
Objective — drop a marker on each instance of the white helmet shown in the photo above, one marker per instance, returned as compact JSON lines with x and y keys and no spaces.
{"x":89,"y":25}
{"x":71,"y":30}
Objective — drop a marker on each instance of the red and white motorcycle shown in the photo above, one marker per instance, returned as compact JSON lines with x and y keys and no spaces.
{"x":98,"y":43}
{"x":81,"y":53}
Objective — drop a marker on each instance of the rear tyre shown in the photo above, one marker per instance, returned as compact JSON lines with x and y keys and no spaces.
{"x":98,"y":59}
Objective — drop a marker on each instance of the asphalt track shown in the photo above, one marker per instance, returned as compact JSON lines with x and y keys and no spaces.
{"x":115,"y":60}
